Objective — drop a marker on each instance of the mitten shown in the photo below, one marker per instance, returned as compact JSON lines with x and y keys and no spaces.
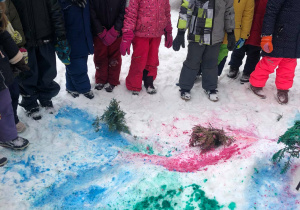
{"x":63,"y":51}
{"x":231,"y":41}
{"x":126,"y":42}
{"x":102,"y":35}
{"x":20,"y":68}
{"x":179,"y":40}
{"x":266,"y":44}
{"x":110,"y":36}
{"x":240,"y":43}
{"x":168,"y":36}
{"x":79,"y":3}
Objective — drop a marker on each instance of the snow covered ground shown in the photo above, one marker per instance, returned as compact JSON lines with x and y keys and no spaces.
{"x":70,"y":166}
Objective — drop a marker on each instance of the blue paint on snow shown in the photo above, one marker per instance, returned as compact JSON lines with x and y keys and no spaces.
{"x":269,"y":189}
{"x":77,"y":186}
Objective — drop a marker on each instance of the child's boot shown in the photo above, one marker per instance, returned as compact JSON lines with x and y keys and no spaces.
{"x":282,"y":96}
{"x":3,"y":161}
{"x":233,"y":72}
{"x":148,"y":83}
{"x":258,"y":91}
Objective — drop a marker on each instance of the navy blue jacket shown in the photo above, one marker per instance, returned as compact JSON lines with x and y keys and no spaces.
{"x":282,"y":21}
{"x":78,"y":27}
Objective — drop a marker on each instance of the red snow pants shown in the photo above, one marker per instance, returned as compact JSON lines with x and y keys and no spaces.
{"x":107,"y":61}
{"x":284,"y":74}
{"x":145,"y":56}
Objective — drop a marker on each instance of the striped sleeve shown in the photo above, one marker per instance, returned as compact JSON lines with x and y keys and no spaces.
{"x":185,"y":14}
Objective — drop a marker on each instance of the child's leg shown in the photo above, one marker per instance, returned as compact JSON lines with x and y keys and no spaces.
{"x":191,"y":66}
{"x":15,"y":93}
{"x":237,"y":56}
{"x":285,"y":73}
{"x":8,"y":129}
{"x":138,"y":63}
{"x":265,"y":66}
{"x":69,"y":83}
{"x":77,"y":71}
{"x":222,"y":58}
{"x":253,"y":56}
{"x":153,"y":60}
{"x":114,"y":62}
{"x":210,"y":67}
{"x":101,"y":61}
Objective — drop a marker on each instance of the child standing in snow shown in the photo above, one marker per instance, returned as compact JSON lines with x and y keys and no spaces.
{"x":251,"y":48}
{"x":145,"y":22}
{"x":9,"y":56}
{"x":207,"y":21}
{"x":281,"y":45}
{"x":77,"y":22}
{"x":16,"y":31}
{"x":107,"y":28}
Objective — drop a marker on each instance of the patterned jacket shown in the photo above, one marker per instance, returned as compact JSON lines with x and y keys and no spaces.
{"x":147,"y":18}
{"x":206,"y":20}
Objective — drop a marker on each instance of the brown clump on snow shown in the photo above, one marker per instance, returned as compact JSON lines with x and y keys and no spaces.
{"x":208,"y":138}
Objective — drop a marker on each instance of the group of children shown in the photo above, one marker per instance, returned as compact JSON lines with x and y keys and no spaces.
{"x":75,"y":29}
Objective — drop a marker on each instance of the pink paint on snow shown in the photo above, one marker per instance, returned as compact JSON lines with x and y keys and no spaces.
{"x":192,"y":160}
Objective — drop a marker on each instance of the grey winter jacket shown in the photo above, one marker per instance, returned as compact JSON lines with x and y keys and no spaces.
{"x":206,"y":20}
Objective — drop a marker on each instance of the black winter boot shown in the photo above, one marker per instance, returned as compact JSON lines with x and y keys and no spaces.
{"x":233,"y":72}
{"x":3,"y":161}
{"x":148,"y":83}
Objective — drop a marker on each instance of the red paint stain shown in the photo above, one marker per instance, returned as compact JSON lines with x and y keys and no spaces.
{"x":190,"y":161}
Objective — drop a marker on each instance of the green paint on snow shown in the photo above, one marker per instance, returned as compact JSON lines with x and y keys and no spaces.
{"x":150,"y":150}
{"x":232,"y":206}
{"x":169,"y":199}
{"x":205,"y":180}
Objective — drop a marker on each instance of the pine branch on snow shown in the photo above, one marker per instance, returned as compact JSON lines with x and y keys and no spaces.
{"x":208,"y":138}
{"x":291,"y":139}
{"x":114,"y":117}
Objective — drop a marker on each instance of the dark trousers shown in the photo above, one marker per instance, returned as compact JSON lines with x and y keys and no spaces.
{"x":14,"y":93}
{"x":207,"y":55}
{"x":253,"y":56}
{"x":8,"y":130}
{"x":39,"y":83}
{"x":77,"y":78}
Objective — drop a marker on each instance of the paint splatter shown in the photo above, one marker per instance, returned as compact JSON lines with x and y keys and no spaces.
{"x":268,"y":189}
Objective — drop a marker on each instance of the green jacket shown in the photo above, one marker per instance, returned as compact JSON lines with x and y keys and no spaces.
{"x":15,"y":21}
{"x":206,"y":20}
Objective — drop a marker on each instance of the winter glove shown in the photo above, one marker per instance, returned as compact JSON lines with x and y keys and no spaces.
{"x":79,"y":3}
{"x":20,"y":69}
{"x":63,"y":51}
{"x":25,"y":54}
{"x":21,"y":66}
{"x":168,"y":36}
{"x":110,"y":37}
{"x":179,"y":40}
{"x":231,"y":41}
{"x":126,"y":42}
{"x":240,"y":43}
{"x":266,"y":44}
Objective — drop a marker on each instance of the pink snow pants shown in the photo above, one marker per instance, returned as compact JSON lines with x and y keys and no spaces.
{"x":284,"y":74}
{"x":145,"y":56}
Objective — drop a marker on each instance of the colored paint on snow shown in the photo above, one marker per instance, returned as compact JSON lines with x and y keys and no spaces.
{"x":190,"y":161}
{"x":232,"y":206}
{"x":196,"y":199}
{"x":268,"y":189}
